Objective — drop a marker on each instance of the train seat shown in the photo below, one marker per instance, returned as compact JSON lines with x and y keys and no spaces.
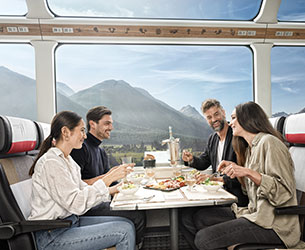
{"x":278,"y":123}
{"x":19,"y":141}
{"x":294,"y":134}
{"x":19,"y":138}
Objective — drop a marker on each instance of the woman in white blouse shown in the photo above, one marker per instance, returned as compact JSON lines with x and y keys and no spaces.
{"x":59,"y":193}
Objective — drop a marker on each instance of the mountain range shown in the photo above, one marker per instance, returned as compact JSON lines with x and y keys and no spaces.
{"x":138,"y":116}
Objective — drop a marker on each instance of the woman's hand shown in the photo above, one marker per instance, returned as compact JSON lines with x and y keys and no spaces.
{"x":114,"y":189}
{"x":201,"y":177}
{"x":233,"y":170}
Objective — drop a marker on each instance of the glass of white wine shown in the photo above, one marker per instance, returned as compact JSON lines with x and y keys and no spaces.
{"x":190,"y":180}
{"x":127,"y":160}
{"x":150,"y":174}
{"x":177,"y":171}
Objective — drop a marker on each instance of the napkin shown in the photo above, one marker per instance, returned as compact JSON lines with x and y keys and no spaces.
{"x":202,"y":194}
{"x":139,"y":196}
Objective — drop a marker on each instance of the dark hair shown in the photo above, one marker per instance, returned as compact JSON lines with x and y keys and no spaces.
{"x":96,"y":113}
{"x":209,"y":103}
{"x":253,"y":119}
{"x":64,"y":118}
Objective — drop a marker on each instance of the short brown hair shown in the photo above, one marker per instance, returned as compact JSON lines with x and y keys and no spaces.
{"x":96,"y":113}
{"x":209,"y":103}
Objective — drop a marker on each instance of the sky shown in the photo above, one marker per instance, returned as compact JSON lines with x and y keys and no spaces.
{"x":177,"y":75}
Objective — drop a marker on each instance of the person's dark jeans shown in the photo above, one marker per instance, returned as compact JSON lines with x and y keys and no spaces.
{"x":137,"y":217}
{"x":216,"y":228}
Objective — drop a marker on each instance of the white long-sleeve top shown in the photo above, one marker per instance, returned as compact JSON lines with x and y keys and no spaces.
{"x":58,"y":191}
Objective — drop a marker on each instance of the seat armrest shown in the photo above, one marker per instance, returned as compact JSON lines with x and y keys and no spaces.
{"x":290,"y":210}
{"x":7,"y":231}
{"x":11,"y":229}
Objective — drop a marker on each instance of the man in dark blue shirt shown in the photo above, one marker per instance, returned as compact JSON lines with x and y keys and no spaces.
{"x":94,"y":164}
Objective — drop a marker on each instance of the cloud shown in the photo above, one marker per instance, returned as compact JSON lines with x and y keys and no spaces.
{"x":98,"y":11}
{"x":293,"y":17}
{"x":290,"y":90}
{"x":289,"y":78}
{"x":201,"y":76}
{"x":165,"y":90}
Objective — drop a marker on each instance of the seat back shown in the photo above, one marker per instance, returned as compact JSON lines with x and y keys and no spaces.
{"x":294,"y":133}
{"x":278,"y":123}
{"x":22,"y":192}
{"x":10,"y":212}
{"x":19,"y":140}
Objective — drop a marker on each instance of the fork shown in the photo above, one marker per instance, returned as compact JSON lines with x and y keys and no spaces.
{"x":216,"y":174}
{"x":148,"y":198}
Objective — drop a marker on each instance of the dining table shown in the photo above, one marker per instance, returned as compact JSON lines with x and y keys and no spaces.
{"x":149,"y":198}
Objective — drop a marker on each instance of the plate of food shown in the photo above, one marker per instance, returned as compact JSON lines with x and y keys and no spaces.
{"x":135,"y":178}
{"x":128,"y":188}
{"x":212,"y":186}
{"x":168,"y":185}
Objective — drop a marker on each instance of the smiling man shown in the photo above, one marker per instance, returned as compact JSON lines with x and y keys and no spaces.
{"x":218,"y":148}
{"x":219,"y":143}
{"x":92,"y":158}
{"x":94,"y":163}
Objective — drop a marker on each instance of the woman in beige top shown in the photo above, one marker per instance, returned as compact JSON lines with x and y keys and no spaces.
{"x":265,"y":169}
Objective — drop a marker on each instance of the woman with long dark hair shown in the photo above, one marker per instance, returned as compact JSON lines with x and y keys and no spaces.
{"x":265,"y":169}
{"x":59,"y":193}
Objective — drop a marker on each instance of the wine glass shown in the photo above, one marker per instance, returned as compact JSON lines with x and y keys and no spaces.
{"x":190,"y":180}
{"x":177,"y":171}
{"x":150,"y":173}
{"x":127,"y":160}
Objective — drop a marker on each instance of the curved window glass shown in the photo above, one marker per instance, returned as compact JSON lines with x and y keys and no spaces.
{"x":17,"y":81}
{"x":287,"y":80}
{"x":151,"y":87}
{"x":174,"y":9}
{"x":292,"y":10}
{"x":13,"y":7}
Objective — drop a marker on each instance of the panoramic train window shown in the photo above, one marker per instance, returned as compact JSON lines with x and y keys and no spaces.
{"x":176,"y":9}
{"x":152,"y":87}
{"x":287,"y":80}
{"x":292,"y":10}
{"x":17,"y":81}
{"x":13,"y":7}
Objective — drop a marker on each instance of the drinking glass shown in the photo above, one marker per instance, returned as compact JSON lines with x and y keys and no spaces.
{"x":177,"y":171}
{"x":150,"y":173}
{"x":190,"y":180}
{"x":126,"y":159}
